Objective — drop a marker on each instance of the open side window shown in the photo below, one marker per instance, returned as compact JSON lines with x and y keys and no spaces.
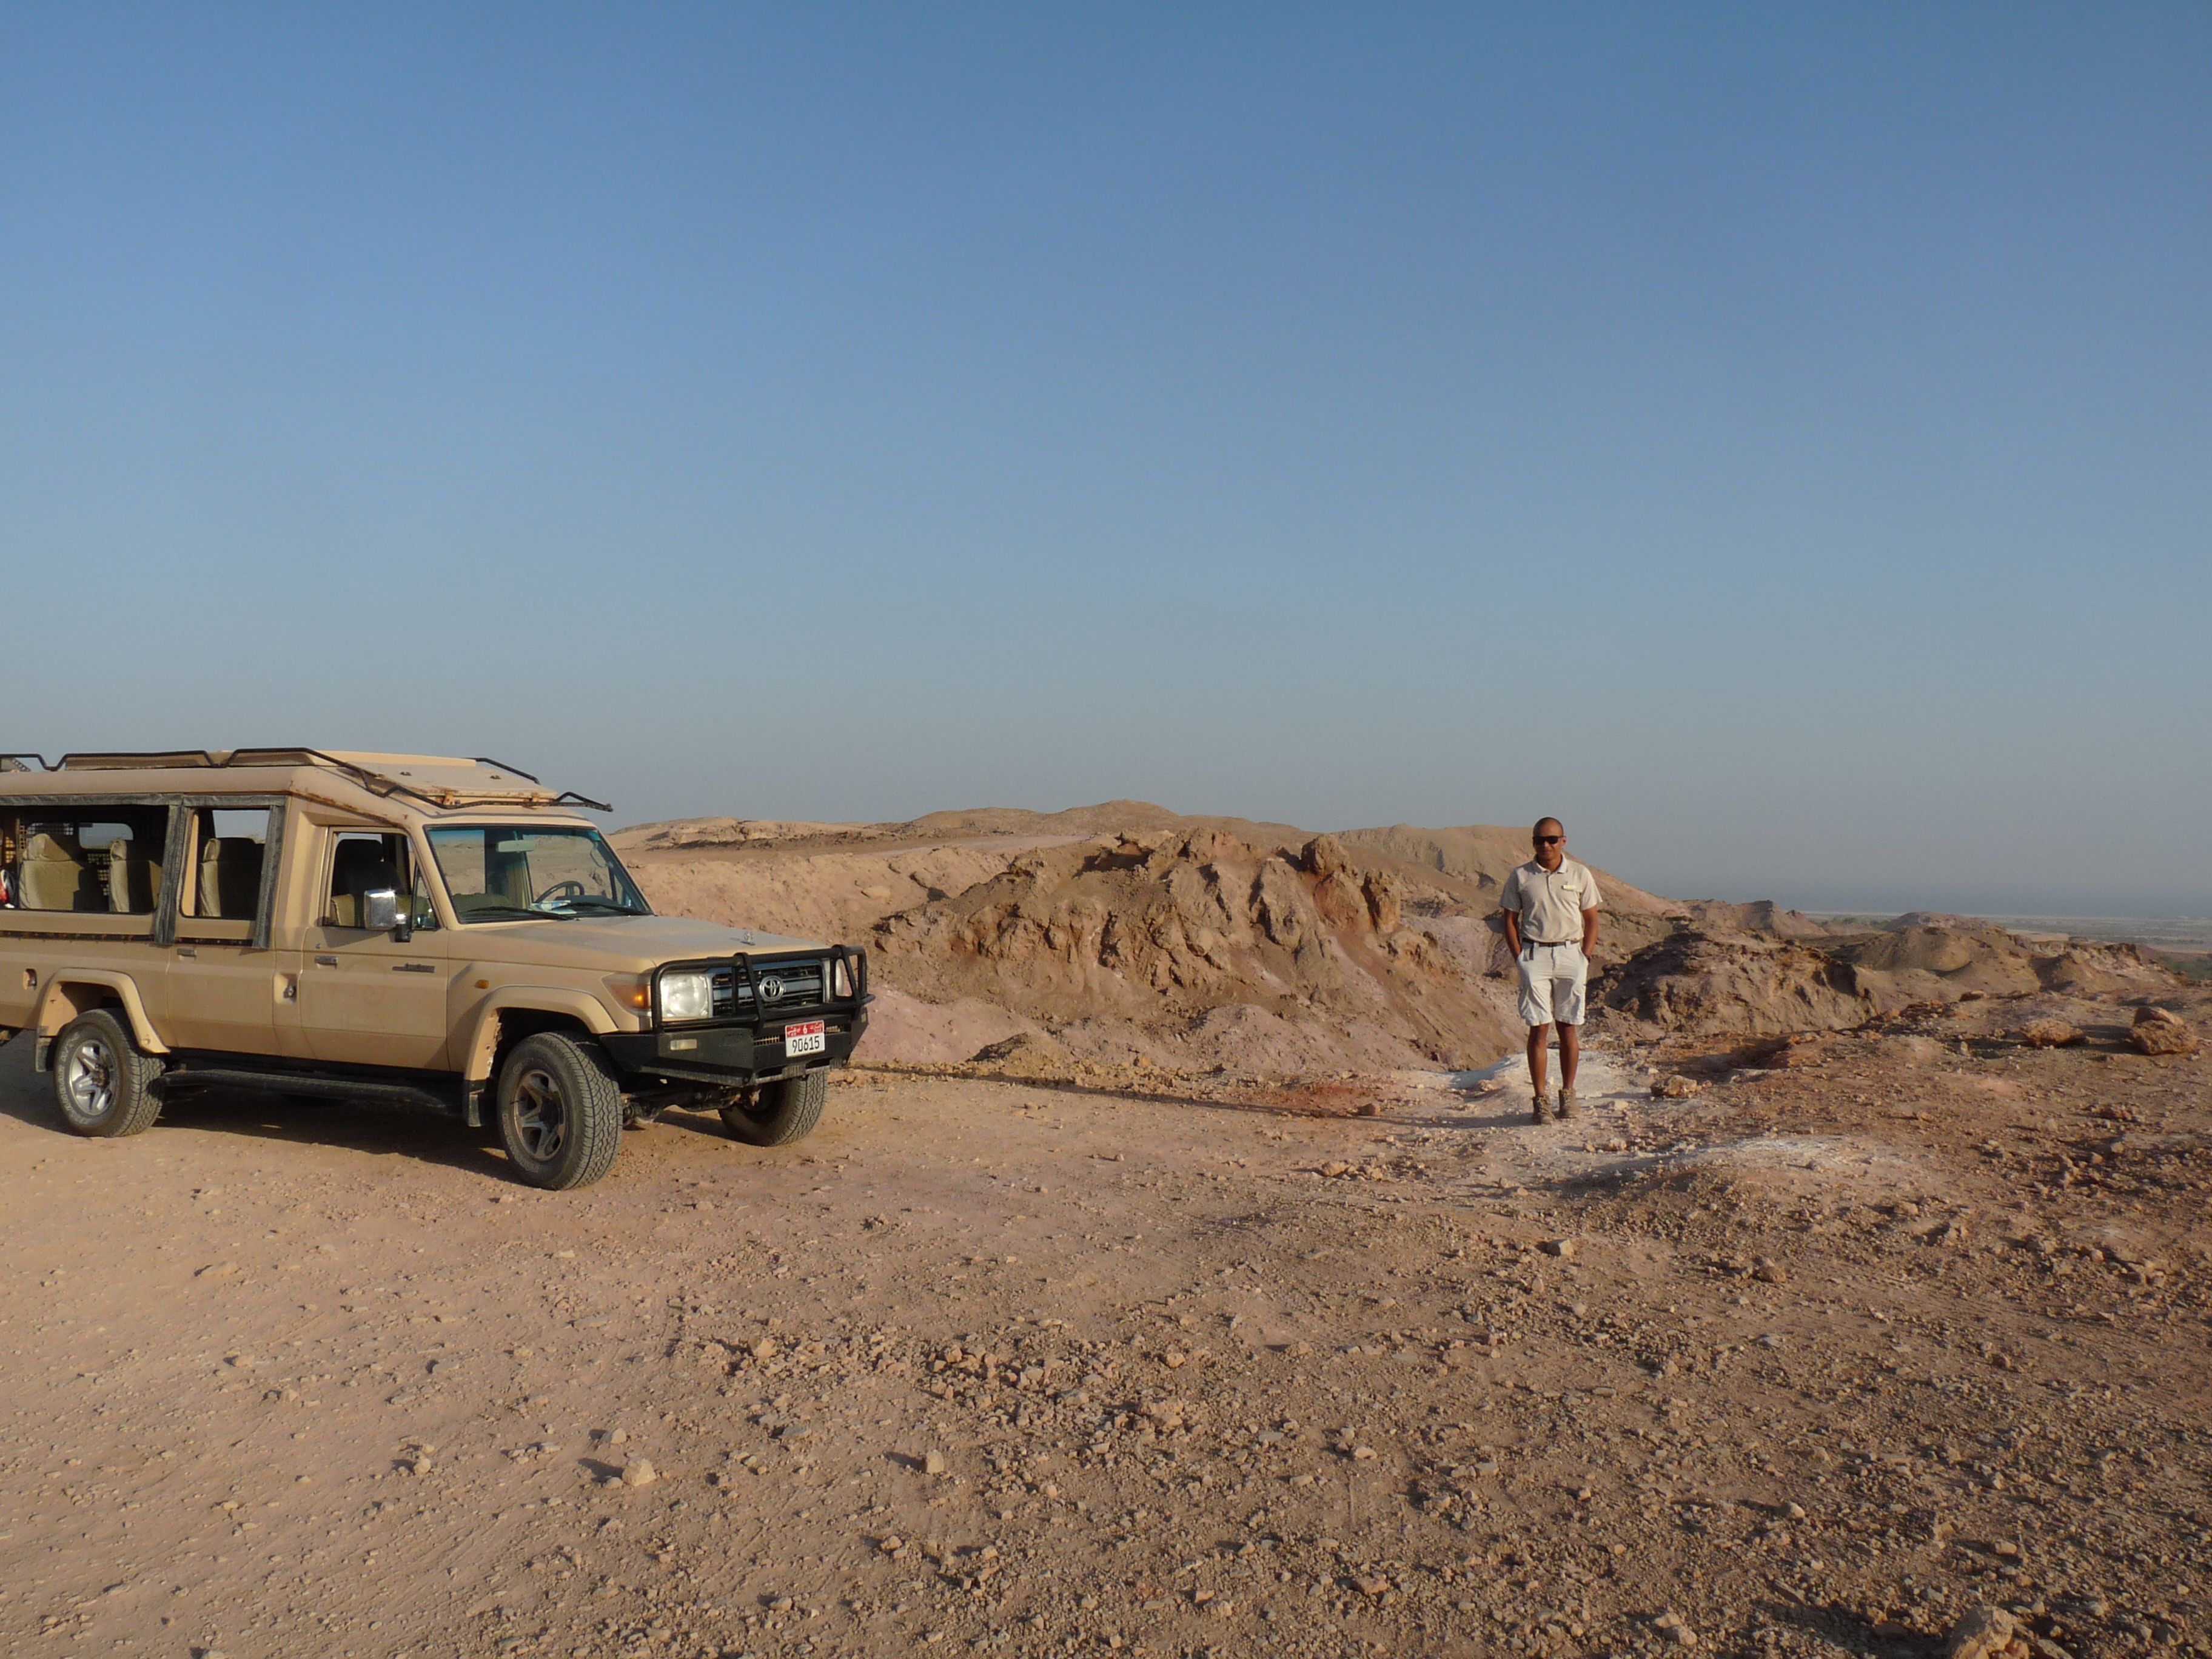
{"x":96,"y":858}
{"x":365,"y":861}
{"x":228,"y":849}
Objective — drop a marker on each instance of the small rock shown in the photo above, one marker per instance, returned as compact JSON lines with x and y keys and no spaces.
{"x":2156,"y":1031}
{"x":1675,"y":1086}
{"x":2050,"y":1034}
{"x":1984,"y":1634}
{"x":1674,"y":1624}
{"x":1371,"y":1586}
{"x":892,"y":1544}
{"x":639,"y":1472}
{"x":933,"y":1462}
{"x":1565,"y":1249}
{"x":1770,"y":1272}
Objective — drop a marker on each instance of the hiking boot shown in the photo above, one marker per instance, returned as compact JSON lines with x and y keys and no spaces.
{"x":1536,"y":1109}
{"x":1567,"y":1104}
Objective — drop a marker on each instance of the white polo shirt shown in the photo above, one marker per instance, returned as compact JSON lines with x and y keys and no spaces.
{"x":1551,"y":902}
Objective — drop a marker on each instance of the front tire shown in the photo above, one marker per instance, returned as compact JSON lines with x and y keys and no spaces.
{"x":560,"y":1111}
{"x":788,"y":1111}
{"x":103,"y":1084}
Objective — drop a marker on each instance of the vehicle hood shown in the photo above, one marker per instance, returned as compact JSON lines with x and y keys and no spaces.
{"x":615,"y":944}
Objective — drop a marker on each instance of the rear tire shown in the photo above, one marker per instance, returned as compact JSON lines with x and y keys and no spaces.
{"x":103,"y":1084}
{"x":560,"y":1111}
{"x":788,"y":1109}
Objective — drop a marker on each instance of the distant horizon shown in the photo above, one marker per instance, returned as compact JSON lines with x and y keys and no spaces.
{"x":1951,"y":904}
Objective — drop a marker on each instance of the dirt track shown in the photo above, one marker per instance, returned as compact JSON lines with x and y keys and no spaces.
{"x":284,"y":1380}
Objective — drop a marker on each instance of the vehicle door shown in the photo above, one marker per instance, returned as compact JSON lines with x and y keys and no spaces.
{"x":222,"y":984}
{"x":371,"y":997}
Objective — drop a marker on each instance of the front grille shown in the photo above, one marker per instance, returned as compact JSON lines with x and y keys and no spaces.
{"x":801,"y":983}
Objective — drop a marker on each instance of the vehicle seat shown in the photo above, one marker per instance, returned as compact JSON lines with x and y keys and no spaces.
{"x":360,"y":868}
{"x":134,"y":881}
{"x":230,"y":877}
{"x":507,"y":877}
{"x":56,"y":875}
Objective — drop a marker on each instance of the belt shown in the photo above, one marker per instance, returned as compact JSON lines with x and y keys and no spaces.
{"x":1552,"y":942}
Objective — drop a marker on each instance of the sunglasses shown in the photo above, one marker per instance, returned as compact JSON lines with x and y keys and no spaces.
{"x":1549,"y":841}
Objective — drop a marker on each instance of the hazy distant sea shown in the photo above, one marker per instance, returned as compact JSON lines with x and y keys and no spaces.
{"x":2159,"y":933}
{"x":2186,"y":933}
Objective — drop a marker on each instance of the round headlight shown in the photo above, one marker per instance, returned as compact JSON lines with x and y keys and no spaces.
{"x":686,"y":996}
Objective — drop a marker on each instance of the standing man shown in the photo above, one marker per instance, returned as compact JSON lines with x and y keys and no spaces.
{"x":1551,"y":905}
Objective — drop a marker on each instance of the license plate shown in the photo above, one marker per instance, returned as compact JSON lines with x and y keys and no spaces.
{"x":807,"y":1037}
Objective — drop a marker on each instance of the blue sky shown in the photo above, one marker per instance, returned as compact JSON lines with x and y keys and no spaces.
{"x":1776,"y":440}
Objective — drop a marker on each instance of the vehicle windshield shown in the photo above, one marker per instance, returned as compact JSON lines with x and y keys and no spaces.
{"x":501,"y":872}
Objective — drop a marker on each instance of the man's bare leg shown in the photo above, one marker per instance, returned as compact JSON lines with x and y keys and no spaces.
{"x":1539,"y":1038}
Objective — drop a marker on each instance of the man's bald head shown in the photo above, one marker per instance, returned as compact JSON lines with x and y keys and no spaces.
{"x":1547,"y":827}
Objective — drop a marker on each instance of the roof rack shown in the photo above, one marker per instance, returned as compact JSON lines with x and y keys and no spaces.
{"x":380,"y":775}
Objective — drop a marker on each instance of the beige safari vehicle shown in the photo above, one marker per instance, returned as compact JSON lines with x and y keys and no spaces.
{"x":358,"y":926}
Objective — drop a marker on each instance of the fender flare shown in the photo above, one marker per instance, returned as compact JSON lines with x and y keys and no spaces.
{"x":483,"y":1041}
{"x":57,"y":1007}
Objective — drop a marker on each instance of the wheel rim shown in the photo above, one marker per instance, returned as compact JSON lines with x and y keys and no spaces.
{"x":541,"y":1119}
{"x":88,"y":1078}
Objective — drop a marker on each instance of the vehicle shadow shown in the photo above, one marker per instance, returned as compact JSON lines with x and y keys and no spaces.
{"x":377,"y":1128}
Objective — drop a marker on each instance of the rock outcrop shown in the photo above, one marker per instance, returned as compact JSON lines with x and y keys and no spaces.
{"x":1698,"y":984}
{"x":1166,"y":928}
{"x":1711,"y":984}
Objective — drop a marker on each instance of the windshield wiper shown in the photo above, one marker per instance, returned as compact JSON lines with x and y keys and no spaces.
{"x":504,"y":913}
{"x":603,"y":906}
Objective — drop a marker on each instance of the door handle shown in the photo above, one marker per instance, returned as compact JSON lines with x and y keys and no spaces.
{"x":326,"y":962}
{"x":414,"y":968}
{"x":188,"y":950}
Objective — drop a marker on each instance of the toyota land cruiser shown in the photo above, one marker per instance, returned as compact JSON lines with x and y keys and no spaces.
{"x":359,"y":926}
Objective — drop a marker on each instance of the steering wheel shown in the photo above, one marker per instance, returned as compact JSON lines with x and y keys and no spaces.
{"x":560,"y":890}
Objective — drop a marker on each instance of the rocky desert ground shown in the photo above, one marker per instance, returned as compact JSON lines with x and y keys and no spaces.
{"x":1180,"y":1276}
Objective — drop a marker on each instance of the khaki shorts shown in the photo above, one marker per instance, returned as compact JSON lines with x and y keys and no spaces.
{"x":1553,"y":978}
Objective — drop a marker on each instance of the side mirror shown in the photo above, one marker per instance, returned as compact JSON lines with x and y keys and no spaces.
{"x":380,"y":914}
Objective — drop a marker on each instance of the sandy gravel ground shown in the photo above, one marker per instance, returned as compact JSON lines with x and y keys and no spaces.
{"x":1812,"y":1363}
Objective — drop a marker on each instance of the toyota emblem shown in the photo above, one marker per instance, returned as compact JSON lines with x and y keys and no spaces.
{"x":771,"y":989}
